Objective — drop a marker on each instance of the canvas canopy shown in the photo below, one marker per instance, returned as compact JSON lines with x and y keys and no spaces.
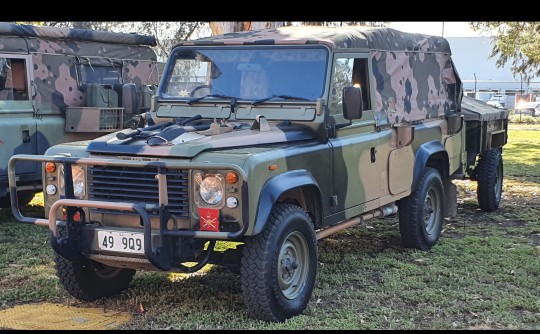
{"x":414,"y":76}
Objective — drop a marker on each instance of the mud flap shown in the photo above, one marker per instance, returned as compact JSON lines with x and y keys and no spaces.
{"x":450,"y":194}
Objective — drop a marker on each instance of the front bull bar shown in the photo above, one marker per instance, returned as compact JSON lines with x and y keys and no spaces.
{"x":156,"y":256}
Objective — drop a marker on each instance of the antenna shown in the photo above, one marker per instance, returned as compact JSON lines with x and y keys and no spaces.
{"x":442,"y":34}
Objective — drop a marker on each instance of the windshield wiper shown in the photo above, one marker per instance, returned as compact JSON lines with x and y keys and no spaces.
{"x":285,"y":97}
{"x":233,"y":98}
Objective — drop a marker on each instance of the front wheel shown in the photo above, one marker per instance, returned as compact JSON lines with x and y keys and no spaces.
{"x":421,"y":213}
{"x":490,"y":179}
{"x":279,"y":265}
{"x":89,"y":280}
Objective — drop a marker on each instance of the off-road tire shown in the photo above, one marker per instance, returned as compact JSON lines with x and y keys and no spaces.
{"x":421,"y":214}
{"x":489,"y":180}
{"x":272,"y":288}
{"x":88,"y":280}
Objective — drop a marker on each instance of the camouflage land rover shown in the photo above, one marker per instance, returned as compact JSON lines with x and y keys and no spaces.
{"x":270,"y":140}
{"x":60,"y":85}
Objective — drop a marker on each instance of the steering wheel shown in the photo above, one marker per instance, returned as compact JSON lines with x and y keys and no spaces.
{"x":211,"y":90}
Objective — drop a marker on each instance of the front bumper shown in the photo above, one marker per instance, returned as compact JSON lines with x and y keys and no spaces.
{"x":159,"y":243}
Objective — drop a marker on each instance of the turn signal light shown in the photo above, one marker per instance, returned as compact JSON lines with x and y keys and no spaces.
{"x":231,"y":177}
{"x":50,"y":167}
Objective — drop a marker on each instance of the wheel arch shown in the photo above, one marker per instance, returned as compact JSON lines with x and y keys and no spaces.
{"x":295,"y":187}
{"x":430,"y":154}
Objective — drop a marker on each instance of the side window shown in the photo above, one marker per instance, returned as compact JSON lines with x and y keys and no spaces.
{"x":13,"y":79}
{"x":104,"y":75}
{"x":349,"y":72}
{"x":343,"y":68}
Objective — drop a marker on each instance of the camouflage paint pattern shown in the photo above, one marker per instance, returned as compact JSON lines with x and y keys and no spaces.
{"x":56,"y":53}
{"x":359,"y":185}
{"x":262,"y":154}
{"x":414,"y":80}
{"x":57,"y":33}
{"x":414,"y":77}
{"x":351,"y":158}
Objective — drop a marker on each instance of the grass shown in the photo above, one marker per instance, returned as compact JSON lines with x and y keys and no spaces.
{"x":483,"y":274}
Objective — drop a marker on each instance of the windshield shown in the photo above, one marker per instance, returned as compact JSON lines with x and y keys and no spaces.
{"x":246,"y":73}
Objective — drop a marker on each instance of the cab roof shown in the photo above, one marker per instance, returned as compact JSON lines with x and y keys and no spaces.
{"x":58,"y":33}
{"x":381,"y":38}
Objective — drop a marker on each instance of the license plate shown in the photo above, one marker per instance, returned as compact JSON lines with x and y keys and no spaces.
{"x":124,"y":242}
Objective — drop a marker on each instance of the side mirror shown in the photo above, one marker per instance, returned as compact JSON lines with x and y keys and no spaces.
{"x":352,"y":103}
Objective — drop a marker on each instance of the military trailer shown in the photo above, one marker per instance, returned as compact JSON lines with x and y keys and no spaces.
{"x":270,"y":140}
{"x":61,"y":85}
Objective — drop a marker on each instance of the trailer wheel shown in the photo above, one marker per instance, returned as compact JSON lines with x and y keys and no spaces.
{"x":89,"y":280}
{"x":421,"y":213}
{"x":489,"y":180}
{"x":279,"y":265}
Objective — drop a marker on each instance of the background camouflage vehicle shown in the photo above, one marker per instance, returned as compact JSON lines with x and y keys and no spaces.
{"x":271,"y":139}
{"x":60,"y":85}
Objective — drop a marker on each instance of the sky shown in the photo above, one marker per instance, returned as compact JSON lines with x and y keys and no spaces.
{"x":445,"y":29}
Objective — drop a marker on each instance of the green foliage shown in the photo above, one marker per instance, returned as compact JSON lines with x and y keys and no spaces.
{"x":528,"y":119}
{"x":515,"y":42}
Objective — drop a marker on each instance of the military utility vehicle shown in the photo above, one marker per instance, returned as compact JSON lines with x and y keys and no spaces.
{"x":61,"y":85}
{"x":270,"y":140}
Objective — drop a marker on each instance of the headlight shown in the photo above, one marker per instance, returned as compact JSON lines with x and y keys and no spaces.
{"x":211,"y":187}
{"x":79,"y":189}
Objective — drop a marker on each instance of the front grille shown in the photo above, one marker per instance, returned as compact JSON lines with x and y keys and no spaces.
{"x":138,"y":185}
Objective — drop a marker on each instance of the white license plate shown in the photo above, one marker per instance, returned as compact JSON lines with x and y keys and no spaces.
{"x":124,"y":242}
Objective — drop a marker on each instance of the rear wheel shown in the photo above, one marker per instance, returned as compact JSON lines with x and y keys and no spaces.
{"x":490,"y":179}
{"x":279,"y":265}
{"x":421,"y":213}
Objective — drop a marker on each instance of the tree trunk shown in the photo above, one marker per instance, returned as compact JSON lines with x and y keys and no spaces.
{"x":219,"y":28}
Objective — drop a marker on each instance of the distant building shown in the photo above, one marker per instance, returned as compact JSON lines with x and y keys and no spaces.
{"x":482,"y":78}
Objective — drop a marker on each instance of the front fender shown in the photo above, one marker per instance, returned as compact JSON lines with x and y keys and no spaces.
{"x":276,"y":186}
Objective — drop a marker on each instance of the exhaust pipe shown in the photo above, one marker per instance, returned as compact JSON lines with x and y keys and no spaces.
{"x":383,"y":211}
